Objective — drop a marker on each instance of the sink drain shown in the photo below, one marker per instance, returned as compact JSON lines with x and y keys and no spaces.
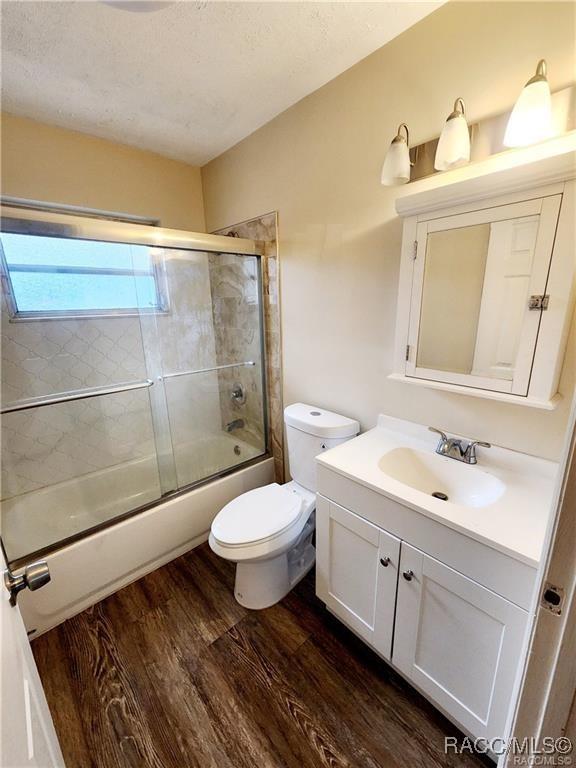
{"x":440,"y":495}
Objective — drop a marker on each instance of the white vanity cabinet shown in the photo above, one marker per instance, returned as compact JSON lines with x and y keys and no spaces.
{"x":456,"y":640}
{"x":359,"y":573}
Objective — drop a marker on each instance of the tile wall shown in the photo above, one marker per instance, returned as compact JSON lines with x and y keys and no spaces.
{"x":212,"y":320}
{"x":232,"y":314}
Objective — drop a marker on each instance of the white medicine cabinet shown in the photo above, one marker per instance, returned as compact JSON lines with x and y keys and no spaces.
{"x":487,"y":279}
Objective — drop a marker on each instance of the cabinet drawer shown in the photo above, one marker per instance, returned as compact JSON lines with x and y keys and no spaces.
{"x":357,"y":573}
{"x":457,"y":641}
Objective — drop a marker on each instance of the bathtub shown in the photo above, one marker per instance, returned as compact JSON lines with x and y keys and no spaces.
{"x":41,"y":518}
{"x":100,"y":563}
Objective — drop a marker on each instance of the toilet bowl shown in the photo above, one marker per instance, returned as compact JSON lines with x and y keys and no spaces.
{"x":268,"y":532}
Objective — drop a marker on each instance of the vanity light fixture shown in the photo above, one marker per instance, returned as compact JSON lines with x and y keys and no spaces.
{"x":396,"y":167}
{"x":453,"y":147}
{"x":531,"y":118}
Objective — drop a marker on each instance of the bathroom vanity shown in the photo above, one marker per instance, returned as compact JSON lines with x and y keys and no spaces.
{"x":439,"y":588}
{"x":430,"y":560}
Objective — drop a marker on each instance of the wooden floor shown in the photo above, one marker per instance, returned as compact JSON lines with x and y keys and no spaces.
{"x":172,"y":672}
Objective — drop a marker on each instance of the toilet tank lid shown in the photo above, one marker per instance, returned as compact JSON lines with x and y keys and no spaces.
{"x":319,"y":422}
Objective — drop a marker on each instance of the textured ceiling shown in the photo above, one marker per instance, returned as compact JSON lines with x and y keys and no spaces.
{"x":189,"y":80}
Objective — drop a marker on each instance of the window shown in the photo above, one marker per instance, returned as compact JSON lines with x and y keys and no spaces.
{"x":55,"y":277}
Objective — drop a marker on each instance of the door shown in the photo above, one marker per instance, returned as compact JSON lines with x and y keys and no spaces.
{"x":28,"y":735}
{"x":547,"y":701}
{"x":357,"y":573}
{"x":457,"y":642}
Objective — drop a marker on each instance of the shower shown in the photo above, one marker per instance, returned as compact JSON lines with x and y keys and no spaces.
{"x":121,"y":346}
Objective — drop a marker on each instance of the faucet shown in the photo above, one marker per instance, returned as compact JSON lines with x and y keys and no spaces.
{"x":236,"y":424}
{"x":461,"y":450}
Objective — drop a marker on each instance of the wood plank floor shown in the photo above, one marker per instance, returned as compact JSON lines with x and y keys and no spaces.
{"x":171,"y":672}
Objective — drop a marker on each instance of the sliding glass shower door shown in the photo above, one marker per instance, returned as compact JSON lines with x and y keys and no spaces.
{"x":131,"y":369}
{"x":208,"y":354}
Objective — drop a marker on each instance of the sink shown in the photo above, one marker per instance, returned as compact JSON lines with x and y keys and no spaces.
{"x":431,"y":474}
{"x":504,"y":501}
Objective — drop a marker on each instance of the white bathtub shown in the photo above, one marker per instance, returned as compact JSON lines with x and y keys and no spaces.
{"x":44,"y":517}
{"x":97,"y":565}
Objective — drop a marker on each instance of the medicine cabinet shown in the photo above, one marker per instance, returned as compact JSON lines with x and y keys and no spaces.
{"x":487,"y":280}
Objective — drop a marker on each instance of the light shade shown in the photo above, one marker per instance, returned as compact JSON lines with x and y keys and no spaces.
{"x":454,"y":144}
{"x":396,"y":167}
{"x":531,"y":118}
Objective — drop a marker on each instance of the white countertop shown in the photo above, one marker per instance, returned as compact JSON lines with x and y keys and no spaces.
{"x":514,"y":524}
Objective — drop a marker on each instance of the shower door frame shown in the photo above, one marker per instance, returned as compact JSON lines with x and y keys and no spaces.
{"x":44,"y":222}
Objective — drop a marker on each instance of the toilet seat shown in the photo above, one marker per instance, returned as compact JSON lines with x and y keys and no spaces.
{"x":258,"y":516}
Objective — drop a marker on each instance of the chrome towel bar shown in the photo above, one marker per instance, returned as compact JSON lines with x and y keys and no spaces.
{"x":84,"y":394}
{"x":207,"y":370}
{"x":74,"y":394}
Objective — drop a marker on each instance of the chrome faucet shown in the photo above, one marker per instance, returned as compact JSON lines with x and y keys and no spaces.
{"x":454,"y":448}
{"x":236,"y":424}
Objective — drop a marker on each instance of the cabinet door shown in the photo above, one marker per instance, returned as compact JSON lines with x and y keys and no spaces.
{"x":357,"y":573}
{"x":457,"y":641}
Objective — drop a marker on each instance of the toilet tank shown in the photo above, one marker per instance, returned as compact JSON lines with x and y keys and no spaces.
{"x":309,"y":431}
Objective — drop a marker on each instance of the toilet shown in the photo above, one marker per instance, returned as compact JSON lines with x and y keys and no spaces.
{"x":268,"y":532}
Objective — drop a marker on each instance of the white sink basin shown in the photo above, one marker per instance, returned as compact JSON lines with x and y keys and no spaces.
{"x":431,"y":474}
{"x":503,"y":501}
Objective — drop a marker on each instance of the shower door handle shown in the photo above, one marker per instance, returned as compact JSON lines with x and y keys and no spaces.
{"x":35,"y":575}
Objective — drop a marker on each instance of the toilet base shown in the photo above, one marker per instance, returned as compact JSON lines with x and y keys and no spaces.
{"x":262,"y":583}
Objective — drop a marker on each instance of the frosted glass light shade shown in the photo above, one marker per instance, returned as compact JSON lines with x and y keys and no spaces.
{"x":531,"y":118}
{"x":454,"y":145}
{"x":396,"y":167}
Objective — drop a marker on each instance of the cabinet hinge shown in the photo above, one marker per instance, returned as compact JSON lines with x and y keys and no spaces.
{"x":407,"y":351}
{"x":415,"y":249}
{"x":539,"y":302}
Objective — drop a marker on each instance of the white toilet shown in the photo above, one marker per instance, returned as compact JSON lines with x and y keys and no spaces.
{"x":268,"y":531}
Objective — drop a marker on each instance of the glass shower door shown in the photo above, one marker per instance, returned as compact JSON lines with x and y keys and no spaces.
{"x":78,"y":447}
{"x":210,"y":356}
{"x":130,"y":371}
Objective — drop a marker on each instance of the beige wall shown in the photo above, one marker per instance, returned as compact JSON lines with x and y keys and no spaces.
{"x":319,"y":163}
{"x":43,"y":162}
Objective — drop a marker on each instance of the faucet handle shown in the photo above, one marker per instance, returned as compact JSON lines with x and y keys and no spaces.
{"x":481,"y":443}
{"x":470,"y":452}
{"x":439,"y":432}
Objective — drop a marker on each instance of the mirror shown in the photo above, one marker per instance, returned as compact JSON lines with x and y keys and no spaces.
{"x":475,"y":291}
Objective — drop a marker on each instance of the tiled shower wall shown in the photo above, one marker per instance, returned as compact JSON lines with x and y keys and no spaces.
{"x":232,"y":310}
{"x":48,"y":445}
{"x":184,"y":340}
{"x":235,"y":307}
{"x":43,"y":446}
{"x":213,"y":320}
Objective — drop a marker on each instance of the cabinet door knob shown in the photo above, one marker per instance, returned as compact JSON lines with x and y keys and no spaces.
{"x":385,"y":561}
{"x":408,"y":575}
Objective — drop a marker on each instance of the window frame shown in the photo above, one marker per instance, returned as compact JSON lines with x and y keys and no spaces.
{"x":158,"y":272}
